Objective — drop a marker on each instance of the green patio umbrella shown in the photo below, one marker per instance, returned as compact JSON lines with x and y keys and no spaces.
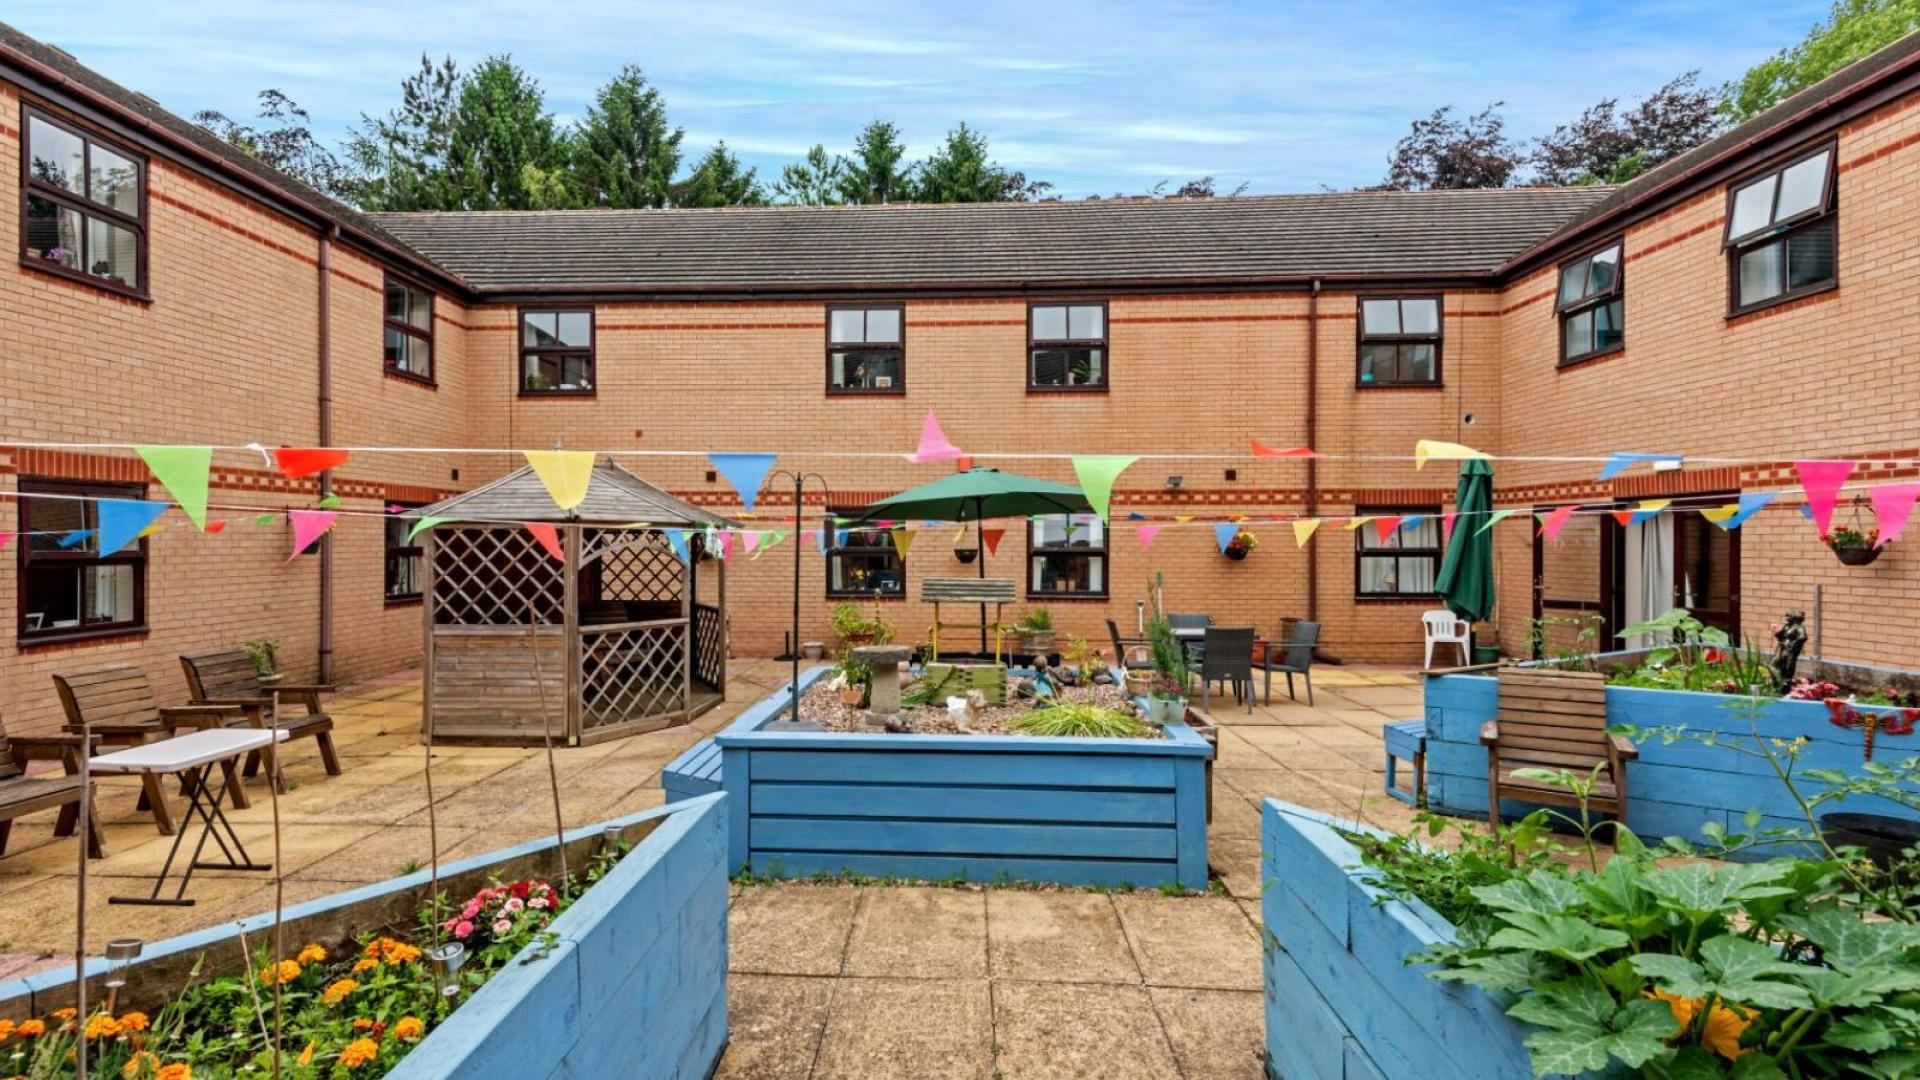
{"x":1466,"y":574}
{"x":977,"y":495}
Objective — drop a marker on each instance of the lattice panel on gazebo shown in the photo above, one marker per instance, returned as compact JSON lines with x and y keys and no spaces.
{"x":494,"y":577}
{"x":635,"y":566}
{"x":628,"y":675}
{"x":709,"y":645}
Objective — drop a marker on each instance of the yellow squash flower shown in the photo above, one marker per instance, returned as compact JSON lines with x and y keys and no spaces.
{"x":1724,"y":1027}
{"x":359,"y":1052}
{"x":337,"y":993}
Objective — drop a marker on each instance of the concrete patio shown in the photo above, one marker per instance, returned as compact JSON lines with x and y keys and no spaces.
{"x":828,"y":980}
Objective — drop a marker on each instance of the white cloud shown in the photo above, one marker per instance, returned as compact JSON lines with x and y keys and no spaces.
{"x":1186,"y":132}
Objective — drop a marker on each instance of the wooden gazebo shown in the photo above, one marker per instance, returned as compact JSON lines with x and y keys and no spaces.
{"x":620,"y":637}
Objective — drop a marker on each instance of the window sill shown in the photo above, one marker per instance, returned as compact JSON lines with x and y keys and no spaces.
{"x":1069,"y":597}
{"x":1399,"y":385}
{"x":858,"y":597}
{"x":403,"y":601}
{"x":558,"y":393}
{"x":53,"y":639}
{"x":1403,"y":598}
{"x":409,"y":377}
{"x":1069,"y":390}
{"x":105,"y":285}
{"x":844,"y":392}
{"x":1782,"y":300}
{"x":1592,"y":357}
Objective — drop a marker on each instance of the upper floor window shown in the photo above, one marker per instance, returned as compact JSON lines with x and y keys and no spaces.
{"x":1067,"y":347}
{"x":67,"y":588}
{"x":409,"y":330}
{"x":866,"y":350}
{"x":1592,"y":313}
{"x":1407,"y":562}
{"x":86,"y":207}
{"x":556,"y":351}
{"x":1782,"y":232}
{"x":863,"y":562}
{"x":1400,"y":341}
{"x":1067,"y":555}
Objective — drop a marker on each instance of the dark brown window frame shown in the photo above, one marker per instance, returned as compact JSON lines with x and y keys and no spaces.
{"x":1437,"y":339}
{"x":522,"y":350}
{"x":835,"y":549}
{"x":1433,"y":513}
{"x":32,"y":188}
{"x":1827,"y":210}
{"x":898,"y":390}
{"x":1103,"y":343}
{"x":134,"y":554}
{"x":390,"y":279}
{"x":1104,"y":552}
{"x":1566,"y":310}
{"x":409,"y":548}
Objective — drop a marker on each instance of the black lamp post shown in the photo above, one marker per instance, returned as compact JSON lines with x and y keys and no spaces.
{"x":799,"y":489}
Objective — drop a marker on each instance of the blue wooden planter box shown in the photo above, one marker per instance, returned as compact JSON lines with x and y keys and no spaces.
{"x":635,"y":983}
{"x":1342,"y":1003}
{"x":1673,"y":788}
{"x":978,"y":807}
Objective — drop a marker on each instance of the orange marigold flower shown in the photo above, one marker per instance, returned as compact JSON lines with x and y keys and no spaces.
{"x":31,"y":1029}
{"x":409,"y":1028}
{"x":133,"y":1021}
{"x":281,"y":973}
{"x":139,"y":1065}
{"x":361,"y":1023}
{"x":364,"y":965}
{"x":101,"y":1026}
{"x":63,"y":1015}
{"x":179,"y":1070}
{"x":337,"y":993}
{"x":312,"y":954}
{"x":306,"y":1056}
{"x":359,"y":1052}
{"x":6,"y":1029}
{"x":390,"y":951}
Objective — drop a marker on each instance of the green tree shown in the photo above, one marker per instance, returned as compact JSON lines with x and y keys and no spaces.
{"x":401,"y":158}
{"x":504,"y":152}
{"x":816,"y":181}
{"x":718,"y":180}
{"x":1854,"y":29}
{"x":962,"y":172}
{"x":624,"y":153}
{"x":874,"y":174}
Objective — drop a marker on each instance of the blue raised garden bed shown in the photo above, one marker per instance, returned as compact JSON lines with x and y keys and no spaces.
{"x":978,"y":807}
{"x":1342,"y":1003}
{"x":1674,"y":788}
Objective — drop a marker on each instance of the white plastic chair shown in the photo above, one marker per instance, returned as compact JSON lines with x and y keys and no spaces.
{"x":1446,"y":628}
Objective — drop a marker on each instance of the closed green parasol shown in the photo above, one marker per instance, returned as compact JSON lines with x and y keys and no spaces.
{"x":1466,"y":574}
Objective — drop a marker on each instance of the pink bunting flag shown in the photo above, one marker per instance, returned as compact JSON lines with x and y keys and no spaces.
{"x":1146,"y":533}
{"x":6,"y":538}
{"x":1446,"y":524}
{"x":549,"y":538}
{"x":1821,"y":482}
{"x":309,"y":526}
{"x":749,"y":539}
{"x":933,"y":443}
{"x":1893,"y":505}
{"x":1555,"y":521}
{"x":726,"y":546}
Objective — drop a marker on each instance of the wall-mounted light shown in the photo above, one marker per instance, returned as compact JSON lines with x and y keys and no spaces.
{"x":1667,"y":464}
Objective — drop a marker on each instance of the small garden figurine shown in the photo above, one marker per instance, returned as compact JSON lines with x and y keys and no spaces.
{"x":1787,"y":643}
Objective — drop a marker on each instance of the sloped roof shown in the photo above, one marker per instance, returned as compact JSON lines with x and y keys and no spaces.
{"x":614,"y":497}
{"x":1251,"y":239}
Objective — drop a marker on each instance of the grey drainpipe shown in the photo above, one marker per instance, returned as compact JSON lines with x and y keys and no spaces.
{"x":1313,"y":440}
{"x":326,"y":439}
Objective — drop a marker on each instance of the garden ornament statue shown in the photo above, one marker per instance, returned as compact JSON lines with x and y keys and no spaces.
{"x":1787,"y":643}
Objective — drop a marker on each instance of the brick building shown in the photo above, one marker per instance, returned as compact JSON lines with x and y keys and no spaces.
{"x":1739,"y":303}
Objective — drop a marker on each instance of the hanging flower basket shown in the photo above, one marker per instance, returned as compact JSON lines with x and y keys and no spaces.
{"x":1851,"y":544}
{"x":1854,"y":556}
{"x":1240,"y":546}
{"x":966,"y":555}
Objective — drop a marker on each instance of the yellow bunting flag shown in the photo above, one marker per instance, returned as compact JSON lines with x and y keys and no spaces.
{"x":961,"y":535}
{"x":566,"y":474}
{"x":902,"y":540}
{"x":1303,"y":531}
{"x":1354,"y":523}
{"x":1183,"y":518}
{"x":1719,"y":514}
{"x":1427,"y":449}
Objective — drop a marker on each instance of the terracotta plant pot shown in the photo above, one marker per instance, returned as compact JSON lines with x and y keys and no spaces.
{"x":853,"y":699}
{"x":859,"y":639}
{"x":1856,"y":556}
{"x":1036,"y":641}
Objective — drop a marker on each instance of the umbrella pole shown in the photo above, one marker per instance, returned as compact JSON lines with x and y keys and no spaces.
{"x":980,"y":561}
{"x":798,"y":536}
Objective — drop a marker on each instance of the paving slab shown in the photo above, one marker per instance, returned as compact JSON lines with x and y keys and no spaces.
{"x":1237,"y":861}
{"x":791,"y":929}
{"x":920,"y":932}
{"x":774,"y":1024}
{"x":1216,"y":1034}
{"x":1201,"y":942}
{"x":1053,"y":1030}
{"x":928,"y":1029}
{"x":1061,"y":936}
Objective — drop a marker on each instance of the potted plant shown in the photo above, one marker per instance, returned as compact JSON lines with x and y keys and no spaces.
{"x":1036,"y":631}
{"x":966,"y":555}
{"x":853,"y":628}
{"x":1853,"y":547}
{"x":1167,"y":699}
{"x":265,"y":654}
{"x":1242,"y":543}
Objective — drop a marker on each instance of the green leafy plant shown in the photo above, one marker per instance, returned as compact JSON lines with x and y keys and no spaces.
{"x":265,"y":654}
{"x":1038,"y":620}
{"x":1077,"y":718}
{"x":1688,"y":641}
{"x":1843,"y":538}
{"x":1586,"y":633}
{"x":852,"y":626}
{"x":1169,"y":654}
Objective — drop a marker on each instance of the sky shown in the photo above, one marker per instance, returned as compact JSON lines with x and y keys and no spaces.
{"x":1096,"y":96}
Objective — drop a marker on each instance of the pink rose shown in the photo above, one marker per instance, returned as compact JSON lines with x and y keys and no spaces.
{"x":463,"y":928}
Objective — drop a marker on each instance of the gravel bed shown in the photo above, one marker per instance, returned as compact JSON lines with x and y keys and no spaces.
{"x":822,"y":706}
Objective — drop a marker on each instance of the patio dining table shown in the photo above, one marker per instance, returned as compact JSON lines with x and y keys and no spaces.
{"x":193,"y":756}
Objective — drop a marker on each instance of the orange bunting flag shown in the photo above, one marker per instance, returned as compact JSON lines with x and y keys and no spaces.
{"x":991,"y":537}
{"x":549,"y":538}
{"x":1261,"y":449}
{"x":296,"y":462}
{"x":212,"y":527}
{"x":1303,"y":531}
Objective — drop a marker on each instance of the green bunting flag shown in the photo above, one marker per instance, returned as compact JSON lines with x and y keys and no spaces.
{"x":1096,"y":474}
{"x":183,"y":471}
{"x":423,"y":525}
{"x":1495,"y":518}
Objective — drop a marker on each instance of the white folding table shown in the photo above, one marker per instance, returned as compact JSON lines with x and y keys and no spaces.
{"x":193,"y":757}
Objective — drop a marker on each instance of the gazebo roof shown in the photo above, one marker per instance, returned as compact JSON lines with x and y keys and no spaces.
{"x":614,"y":497}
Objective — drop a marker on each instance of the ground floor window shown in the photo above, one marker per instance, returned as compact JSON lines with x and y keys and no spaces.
{"x":406,"y":559}
{"x":863,"y":562}
{"x":1067,"y":555}
{"x":1403,"y":563}
{"x":66,"y":587}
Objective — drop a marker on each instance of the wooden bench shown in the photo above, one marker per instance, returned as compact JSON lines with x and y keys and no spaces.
{"x":996,"y":591}
{"x":117,"y":707}
{"x":695,"y":772}
{"x":1407,"y":741}
{"x":228,"y":677}
{"x":21,"y":794}
{"x":1557,"y":721}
